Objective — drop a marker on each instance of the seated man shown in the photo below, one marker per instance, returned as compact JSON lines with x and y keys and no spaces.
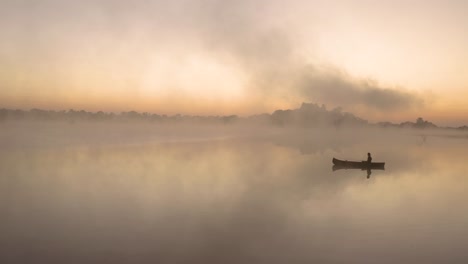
{"x":369,"y":160}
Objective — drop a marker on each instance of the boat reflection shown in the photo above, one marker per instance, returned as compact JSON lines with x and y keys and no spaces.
{"x":339,"y":167}
{"x":369,"y":170}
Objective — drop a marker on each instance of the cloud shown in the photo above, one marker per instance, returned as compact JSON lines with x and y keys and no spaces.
{"x":336,"y":87}
{"x":268,"y":53}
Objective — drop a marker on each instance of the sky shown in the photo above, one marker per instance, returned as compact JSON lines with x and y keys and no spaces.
{"x":381,"y":60}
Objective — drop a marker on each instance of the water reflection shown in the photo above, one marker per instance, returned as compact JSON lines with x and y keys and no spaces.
{"x":258,"y":199}
{"x":368,"y":169}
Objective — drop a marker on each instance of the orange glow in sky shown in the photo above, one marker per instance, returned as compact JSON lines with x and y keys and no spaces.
{"x":240,"y":57}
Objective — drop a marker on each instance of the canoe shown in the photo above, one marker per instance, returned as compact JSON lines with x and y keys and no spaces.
{"x":358,"y":164}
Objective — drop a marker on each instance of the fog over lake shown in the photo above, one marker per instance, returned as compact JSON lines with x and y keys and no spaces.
{"x":91,"y":192}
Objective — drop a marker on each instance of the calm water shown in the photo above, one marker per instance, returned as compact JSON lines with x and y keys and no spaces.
{"x":139,"y":195}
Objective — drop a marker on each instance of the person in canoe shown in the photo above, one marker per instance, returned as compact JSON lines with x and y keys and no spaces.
{"x":369,"y":161}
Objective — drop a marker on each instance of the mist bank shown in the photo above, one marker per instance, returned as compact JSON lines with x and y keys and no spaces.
{"x":308,"y":115}
{"x":268,"y":197}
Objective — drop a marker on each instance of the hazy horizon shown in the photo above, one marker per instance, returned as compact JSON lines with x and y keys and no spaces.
{"x":323,"y":117}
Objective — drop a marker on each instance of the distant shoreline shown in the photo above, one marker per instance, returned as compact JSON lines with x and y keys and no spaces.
{"x":308,"y":115}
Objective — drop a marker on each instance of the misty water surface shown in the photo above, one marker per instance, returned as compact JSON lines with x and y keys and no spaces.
{"x":109,"y":193}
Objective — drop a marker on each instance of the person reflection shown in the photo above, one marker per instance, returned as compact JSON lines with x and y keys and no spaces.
{"x":369,"y":172}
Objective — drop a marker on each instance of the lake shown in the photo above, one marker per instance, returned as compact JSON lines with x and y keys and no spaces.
{"x":141,"y":193}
